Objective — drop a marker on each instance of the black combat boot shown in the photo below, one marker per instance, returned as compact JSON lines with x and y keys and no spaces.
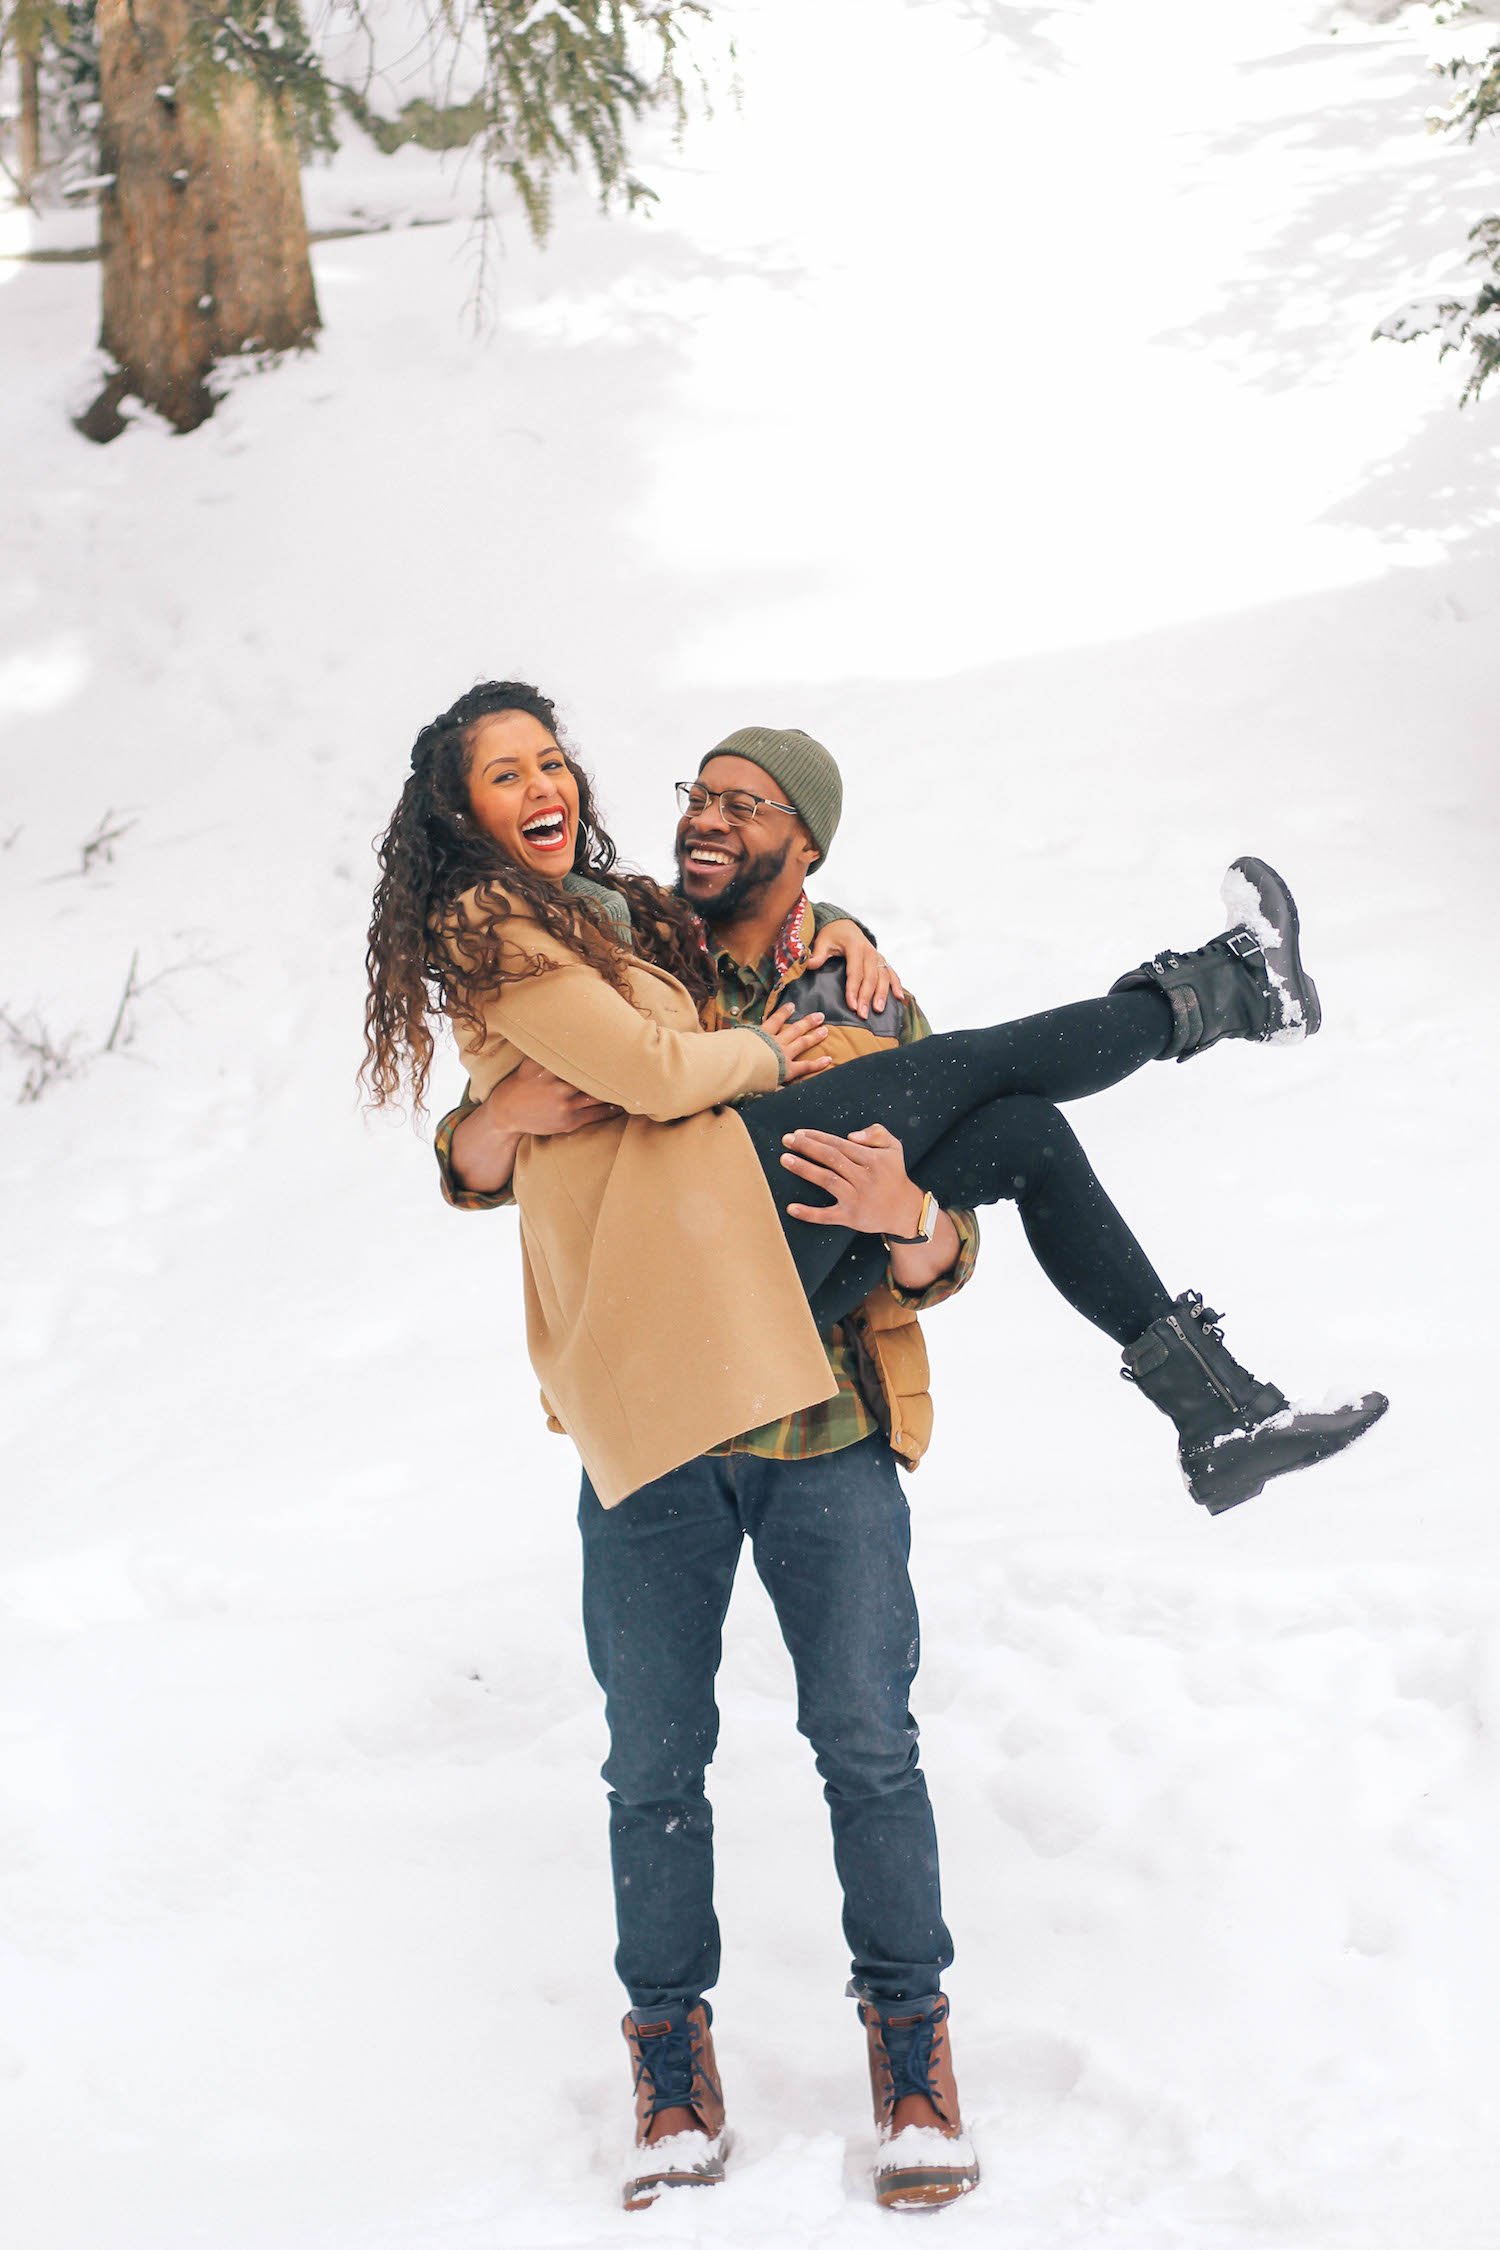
{"x":1234,"y":1434}
{"x":1247,"y":984}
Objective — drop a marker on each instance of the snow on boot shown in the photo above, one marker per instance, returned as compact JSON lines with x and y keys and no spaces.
{"x":680,"y":2139}
{"x":925,"y":2157}
{"x":1234,"y":1433}
{"x":1247,"y":984}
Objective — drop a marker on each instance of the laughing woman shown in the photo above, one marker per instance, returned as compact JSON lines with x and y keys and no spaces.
{"x":675,"y":1281}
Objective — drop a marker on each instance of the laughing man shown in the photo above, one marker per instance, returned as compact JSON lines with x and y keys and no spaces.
{"x":818,"y":1498}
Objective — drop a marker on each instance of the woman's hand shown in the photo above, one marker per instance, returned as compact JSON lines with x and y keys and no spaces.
{"x":795,"y":1038}
{"x":870,"y":979}
{"x":865,"y":1174}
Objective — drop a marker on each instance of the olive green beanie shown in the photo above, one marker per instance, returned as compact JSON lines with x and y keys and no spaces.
{"x":799,"y":766}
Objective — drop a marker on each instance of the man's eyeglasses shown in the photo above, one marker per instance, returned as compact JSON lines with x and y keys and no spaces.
{"x":738,"y":806}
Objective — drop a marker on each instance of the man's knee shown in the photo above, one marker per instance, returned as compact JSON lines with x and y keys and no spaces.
{"x":862,"y":1754}
{"x":658,"y":1763}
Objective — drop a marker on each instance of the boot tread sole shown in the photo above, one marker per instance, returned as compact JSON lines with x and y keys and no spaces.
{"x":1269,"y":886}
{"x":1298,"y":1448}
{"x":924,"y":2190}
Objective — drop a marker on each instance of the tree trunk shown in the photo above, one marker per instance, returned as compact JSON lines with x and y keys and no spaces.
{"x":202,"y":234}
{"x":29,"y":125}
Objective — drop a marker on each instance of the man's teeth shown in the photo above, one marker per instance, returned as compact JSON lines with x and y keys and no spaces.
{"x":701,"y":857}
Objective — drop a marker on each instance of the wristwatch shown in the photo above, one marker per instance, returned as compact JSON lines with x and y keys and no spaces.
{"x":926,"y":1226}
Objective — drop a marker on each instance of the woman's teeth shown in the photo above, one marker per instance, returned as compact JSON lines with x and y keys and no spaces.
{"x":546,"y":832}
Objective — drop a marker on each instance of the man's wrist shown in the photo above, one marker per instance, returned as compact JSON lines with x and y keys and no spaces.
{"x":482,"y":1152}
{"x":492,"y":1110}
{"x":915,"y":1221}
{"x":915,"y":1268}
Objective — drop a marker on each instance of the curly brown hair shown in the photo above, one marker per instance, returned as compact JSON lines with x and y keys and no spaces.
{"x":422,"y":964}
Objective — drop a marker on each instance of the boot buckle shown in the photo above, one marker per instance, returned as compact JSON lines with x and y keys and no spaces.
{"x":1244,"y":945}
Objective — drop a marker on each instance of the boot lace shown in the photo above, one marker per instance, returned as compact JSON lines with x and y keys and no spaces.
{"x":668,"y":2061}
{"x":908,"y":2048}
{"x":1201,"y":1314}
{"x":1204,"y":1315}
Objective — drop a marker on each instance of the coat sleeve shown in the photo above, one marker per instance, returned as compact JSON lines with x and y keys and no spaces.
{"x":573,"y":1023}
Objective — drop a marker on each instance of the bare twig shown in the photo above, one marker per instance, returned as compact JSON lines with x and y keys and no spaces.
{"x":47,"y":1059}
{"x":122,"y":1031}
{"x":132,"y":992}
{"x":98,"y":849}
{"x":101,"y":845}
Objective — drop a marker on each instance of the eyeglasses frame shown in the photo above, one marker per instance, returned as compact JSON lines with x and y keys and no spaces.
{"x":717,"y":796}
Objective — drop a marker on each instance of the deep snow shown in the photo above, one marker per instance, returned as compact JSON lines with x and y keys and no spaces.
{"x":992,"y":396}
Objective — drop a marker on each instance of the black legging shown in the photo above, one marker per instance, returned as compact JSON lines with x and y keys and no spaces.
{"x":974,"y":1113}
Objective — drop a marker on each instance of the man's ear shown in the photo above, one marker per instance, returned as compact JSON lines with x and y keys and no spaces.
{"x":807,"y":850}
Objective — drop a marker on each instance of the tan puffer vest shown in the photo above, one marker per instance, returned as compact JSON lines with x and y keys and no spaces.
{"x":886,"y":1335}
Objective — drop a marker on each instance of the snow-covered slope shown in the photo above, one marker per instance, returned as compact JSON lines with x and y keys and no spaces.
{"x":992,"y":396}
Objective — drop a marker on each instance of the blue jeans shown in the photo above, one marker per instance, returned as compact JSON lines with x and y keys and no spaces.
{"x":831,"y":1538}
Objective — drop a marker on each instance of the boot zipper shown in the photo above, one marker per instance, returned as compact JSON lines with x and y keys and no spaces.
{"x":1225,"y":1395}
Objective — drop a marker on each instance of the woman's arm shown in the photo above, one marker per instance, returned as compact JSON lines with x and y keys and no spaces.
{"x":574,"y":1024}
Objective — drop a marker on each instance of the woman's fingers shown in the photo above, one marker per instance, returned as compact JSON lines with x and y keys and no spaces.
{"x":807,"y":1031}
{"x":794,"y":1040}
{"x":827,"y":1217}
{"x":780,"y":1023}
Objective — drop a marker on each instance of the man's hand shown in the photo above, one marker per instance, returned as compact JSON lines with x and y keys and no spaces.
{"x":865,"y":1174}
{"x":534,"y":1100}
{"x":530,"y":1100}
{"x":870,"y":979}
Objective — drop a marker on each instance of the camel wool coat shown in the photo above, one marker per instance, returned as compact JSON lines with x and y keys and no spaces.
{"x":663,"y":1310}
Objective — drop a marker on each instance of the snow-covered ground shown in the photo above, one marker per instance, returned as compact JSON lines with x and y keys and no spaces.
{"x":991,"y":395}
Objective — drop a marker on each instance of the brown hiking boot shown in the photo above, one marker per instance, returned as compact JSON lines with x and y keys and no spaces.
{"x":679,"y":2111}
{"x":925,"y":2157}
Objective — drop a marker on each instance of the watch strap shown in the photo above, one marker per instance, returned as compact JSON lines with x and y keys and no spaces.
{"x":926,"y":1226}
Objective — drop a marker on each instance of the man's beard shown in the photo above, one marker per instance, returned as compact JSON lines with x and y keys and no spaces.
{"x":742,"y":891}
